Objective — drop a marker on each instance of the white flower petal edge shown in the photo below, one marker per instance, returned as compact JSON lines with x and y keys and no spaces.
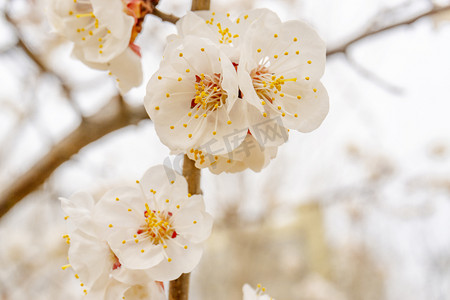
{"x":193,"y":97}
{"x":156,"y":226}
{"x":78,"y":209}
{"x":249,"y":155}
{"x":254,"y":294}
{"x":126,"y":68}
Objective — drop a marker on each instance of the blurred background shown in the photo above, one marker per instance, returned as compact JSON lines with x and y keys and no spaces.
{"x":358,"y":209}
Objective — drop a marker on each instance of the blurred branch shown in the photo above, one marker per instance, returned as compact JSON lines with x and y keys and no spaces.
{"x":40,"y":64}
{"x":165,"y":17}
{"x":371,"y":76}
{"x":114,"y":115}
{"x":373,"y":31}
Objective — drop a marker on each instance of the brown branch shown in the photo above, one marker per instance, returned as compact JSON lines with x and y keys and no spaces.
{"x":165,"y":17}
{"x":179,"y":288}
{"x":200,"y":4}
{"x":373,"y":31}
{"x":192,"y":175}
{"x":114,"y":115}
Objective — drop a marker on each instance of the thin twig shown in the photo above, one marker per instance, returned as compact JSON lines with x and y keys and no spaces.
{"x":41,"y":65}
{"x":372,"y":77}
{"x":111,"y":117}
{"x":165,"y":17}
{"x":371,"y":32}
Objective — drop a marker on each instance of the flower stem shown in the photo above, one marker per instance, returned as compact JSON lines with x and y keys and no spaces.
{"x":200,"y":4}
{"x":179,"y":288}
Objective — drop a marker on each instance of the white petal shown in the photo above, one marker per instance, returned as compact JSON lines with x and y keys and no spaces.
{"x":90,"y":258}
{"x":113,"y":290}
{"x":77,"y":53}
{"x":127,"y":68}
{"x":268,"y":131}
{"x":182,"y":260}
{"x":193,"y":24}
{"x":128,"y":212}
{"x":158,"y":177}
{"x":130,"y":277}
{"x":79,"y":207}
{"x":112,"y":13}
{"x":311,"y":109}
{"x":193,"y":224}
{"x":130,"y":254}
{"x":149,"y":291}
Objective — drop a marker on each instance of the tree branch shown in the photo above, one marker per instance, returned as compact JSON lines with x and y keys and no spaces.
{"x":40,"y":63}
{"x":200,"y":4}
{"x":165,"y":17}
{"x":114,"y":115}
{"x":373,"y":31}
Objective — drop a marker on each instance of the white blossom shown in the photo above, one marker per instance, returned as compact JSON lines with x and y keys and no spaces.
{"x":99,"y":270}
{"x":255,"y":294}
{"x":279,"y":74}
{"x":193,"y":97}
{"x":279,"y":64}
{"x":156,"y":226}
{"x":103,"y":34}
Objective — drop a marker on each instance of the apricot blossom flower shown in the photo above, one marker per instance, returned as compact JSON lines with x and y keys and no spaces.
{"x":157,"y":226}
{"x":193,"y":97}
{"x":99,"y":270}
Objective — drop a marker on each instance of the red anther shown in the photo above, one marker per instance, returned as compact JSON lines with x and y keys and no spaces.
{"x":235,"y":66}
{"x":161,"y":284}
{"x":170,"y":214}
{"x":197,"y":78}
{"x":193,"y":104}
{"x":140,"y":231}
{"x":174,"y":234}
{"x":116,"y":265}
{"x":135,"y":48}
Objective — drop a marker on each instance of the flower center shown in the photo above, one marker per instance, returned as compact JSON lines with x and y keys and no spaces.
{"x":209,"y":93}
{"x":266,"y":84}
{"x":158,"y":227}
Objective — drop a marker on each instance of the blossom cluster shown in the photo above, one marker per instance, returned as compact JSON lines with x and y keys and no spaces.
{"x":133,"y":238}
{"x":228,"y":90}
